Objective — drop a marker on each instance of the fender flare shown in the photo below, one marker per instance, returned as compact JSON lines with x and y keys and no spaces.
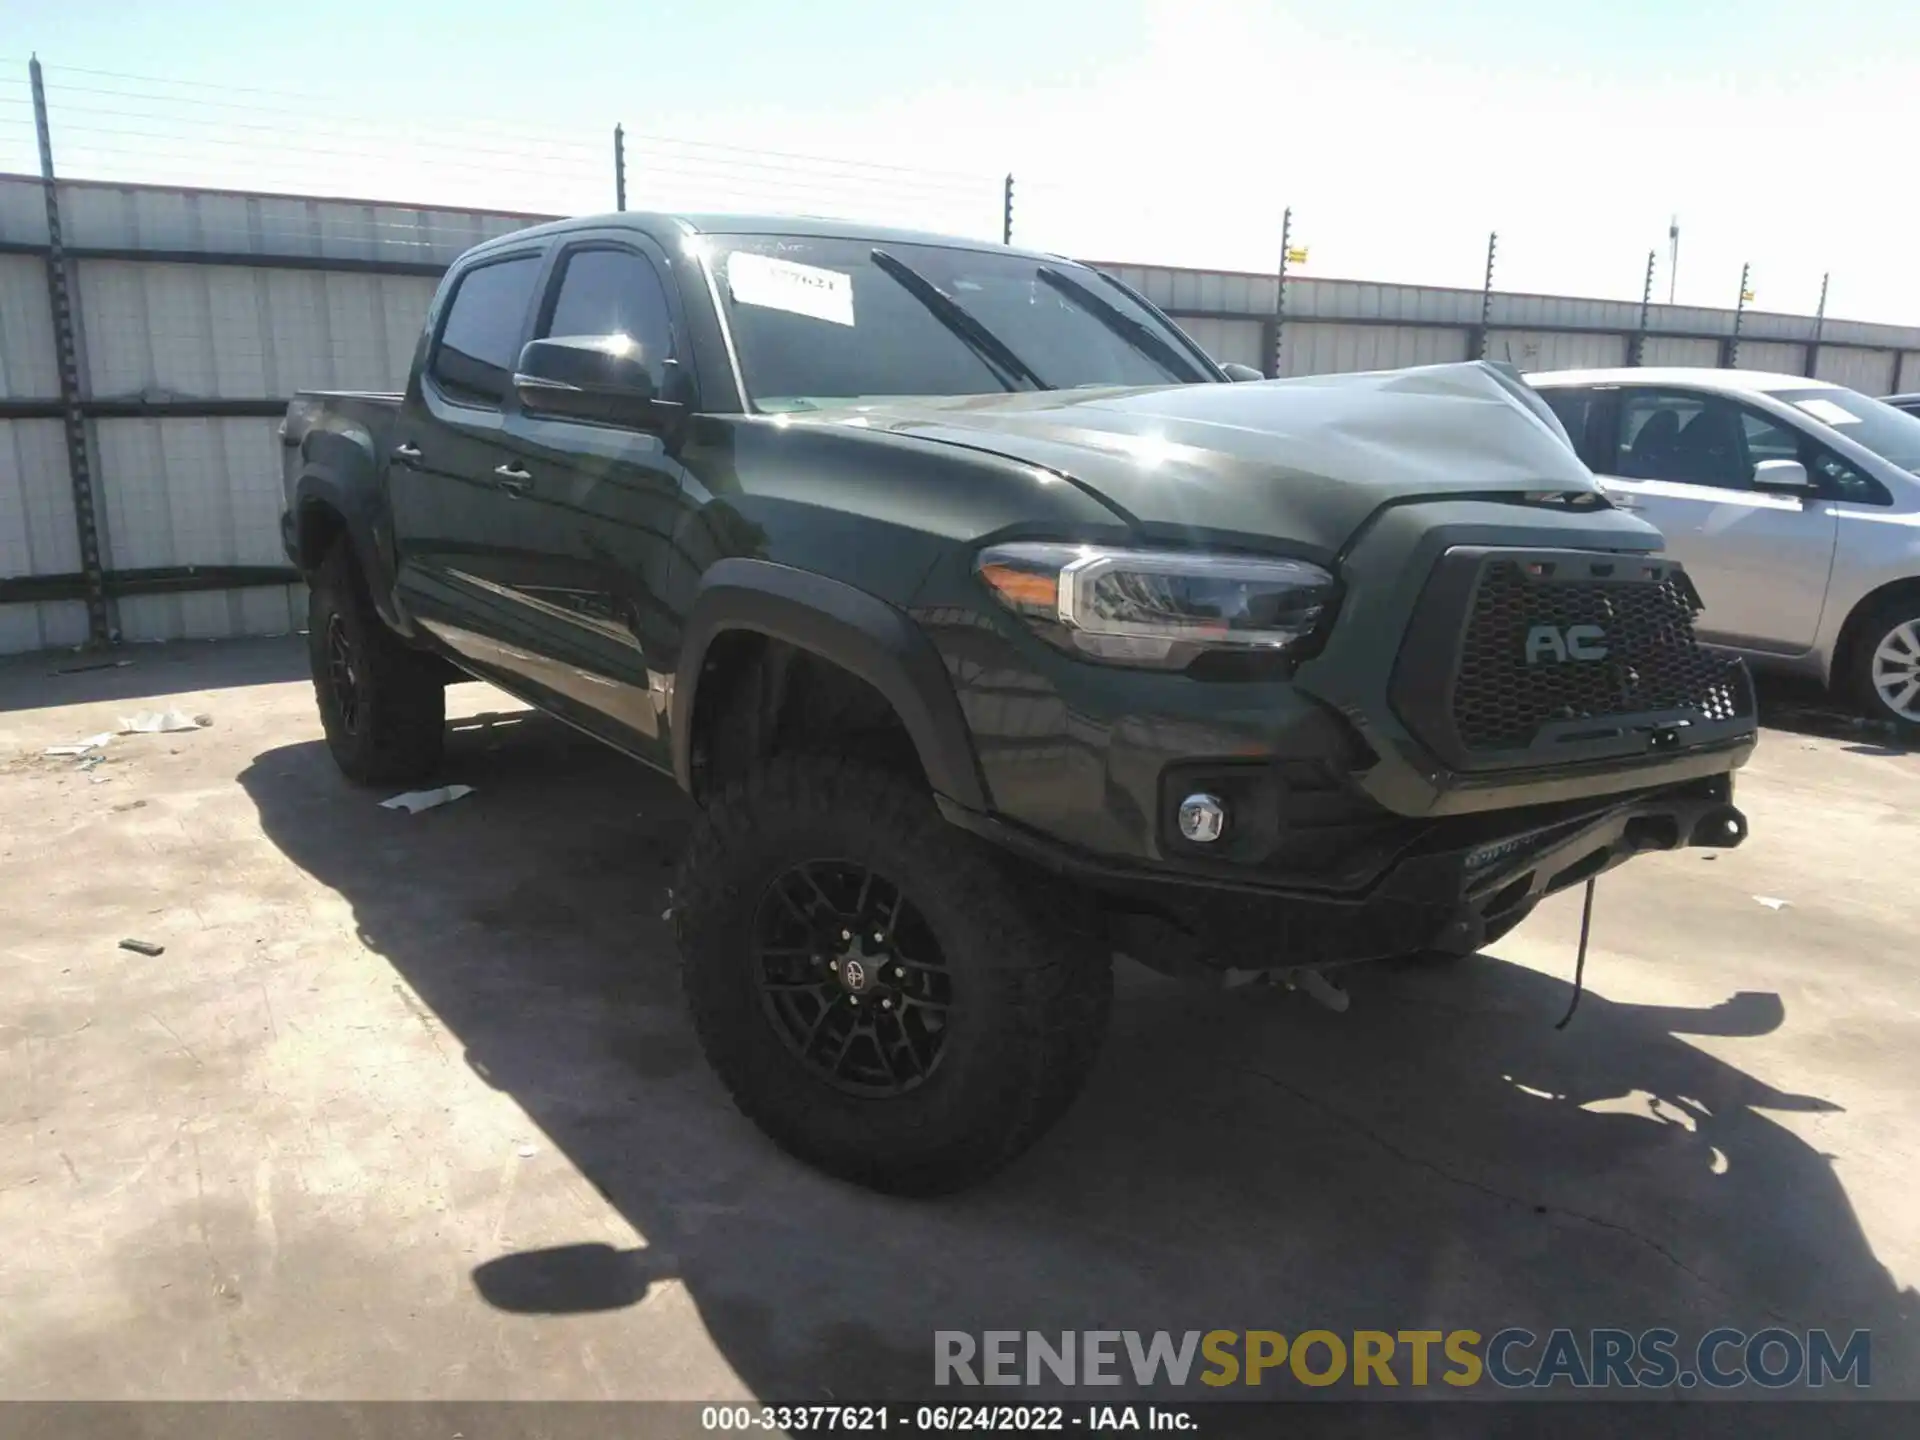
{"x":322,"y":485}
{"x":856,"y":631}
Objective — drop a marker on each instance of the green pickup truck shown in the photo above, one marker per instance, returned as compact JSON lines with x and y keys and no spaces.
{"x":996,"y":629}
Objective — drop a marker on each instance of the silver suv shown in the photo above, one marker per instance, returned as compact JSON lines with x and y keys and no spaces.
{"x":1794,"y":505}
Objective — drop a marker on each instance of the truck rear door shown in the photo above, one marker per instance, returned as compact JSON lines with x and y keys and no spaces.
{"x":452,"y":519}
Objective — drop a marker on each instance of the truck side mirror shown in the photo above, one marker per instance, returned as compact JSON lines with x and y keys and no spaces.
{"x":607,"y":379}
{"x":1782,"y":477}
{"x":1234,"y":370}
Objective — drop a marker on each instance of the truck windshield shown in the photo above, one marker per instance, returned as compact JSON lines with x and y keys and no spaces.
{"x":819,"y":322}
{"x":1891,"y":434}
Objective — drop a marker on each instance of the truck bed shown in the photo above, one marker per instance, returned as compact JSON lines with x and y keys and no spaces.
{"x":348,"y":434}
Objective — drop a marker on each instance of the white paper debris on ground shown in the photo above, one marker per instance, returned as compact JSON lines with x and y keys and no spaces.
{"x":157,"y":722}
{"x":414,"y":801}
{"x":526,"y":1152}
{"x":1771,"y":903}
{"x":80,"y":747}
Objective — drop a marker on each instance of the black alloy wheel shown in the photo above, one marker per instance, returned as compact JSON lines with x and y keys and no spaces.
{"x":341,"y":675}
{"x":851,"y":977}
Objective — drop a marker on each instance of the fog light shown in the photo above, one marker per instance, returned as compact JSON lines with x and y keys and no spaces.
{"x":1202,"y":818}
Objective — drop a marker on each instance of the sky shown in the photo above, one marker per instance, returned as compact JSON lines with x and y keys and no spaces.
{"x":1400,"y":132}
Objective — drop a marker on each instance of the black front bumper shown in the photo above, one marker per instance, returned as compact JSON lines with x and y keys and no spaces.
{"x":1449,"y":884}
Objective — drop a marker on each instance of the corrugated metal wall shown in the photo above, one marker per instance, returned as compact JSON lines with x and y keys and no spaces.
{"x":1237,"y":342}
{"x":1869,"y":371}
{"x":222,"y":332}
{"x":196,"y":492}
{"x":1772,"y":355}
{"x":313,"y":293}
{"x":37,"y":535}
{"x":1680,"y":350}
{"x":1556,"y":349}
{"x":1323,"y":349}
{"x":159,"y":327}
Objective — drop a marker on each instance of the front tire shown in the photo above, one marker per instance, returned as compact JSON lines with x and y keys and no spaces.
{"x":877,"y":990}
{"x":382,"y":705}
{"x":1885,"y":664}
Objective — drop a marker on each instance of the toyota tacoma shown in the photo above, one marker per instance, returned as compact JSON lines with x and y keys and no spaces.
{"x":996,"y":629}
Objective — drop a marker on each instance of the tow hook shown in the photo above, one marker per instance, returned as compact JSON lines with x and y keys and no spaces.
{"x":1720,"y":828}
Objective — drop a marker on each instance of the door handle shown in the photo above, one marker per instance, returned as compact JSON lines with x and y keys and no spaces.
{"x":407,"y":453}
{"x":513,"y":479}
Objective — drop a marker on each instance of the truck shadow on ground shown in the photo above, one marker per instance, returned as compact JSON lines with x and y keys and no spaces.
{"x":1439,"y":1157}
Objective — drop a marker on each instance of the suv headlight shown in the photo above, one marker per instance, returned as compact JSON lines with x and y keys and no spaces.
{"x":1159,"y":608}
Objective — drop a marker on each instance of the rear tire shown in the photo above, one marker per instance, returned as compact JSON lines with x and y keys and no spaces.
{"x":814,"y":867}
{"x":382,"y":705}
{"x":1883,"y":668}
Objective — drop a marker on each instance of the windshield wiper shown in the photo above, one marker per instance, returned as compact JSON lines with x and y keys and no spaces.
{"x":1156,"y":348}
{"x":952,"y":314}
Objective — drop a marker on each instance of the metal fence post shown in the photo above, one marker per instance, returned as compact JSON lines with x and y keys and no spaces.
{"x":1819,"y":324}
{"x":1730,"y":347}
{"x":67,"y":362}
{"x":1637,"y":353}
{"x":1006,"y":211}
{"x":1275,"y":371}
{"x":619,"y":167}
{"x":1480,"y":339}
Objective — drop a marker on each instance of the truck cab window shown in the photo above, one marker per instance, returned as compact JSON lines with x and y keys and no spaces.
{"x":481,"y":338}
{"x":612,"y":292}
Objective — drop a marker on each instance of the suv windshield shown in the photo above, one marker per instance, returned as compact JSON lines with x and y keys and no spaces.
{"x":1891,"y":434}
{"x":821,"y":321}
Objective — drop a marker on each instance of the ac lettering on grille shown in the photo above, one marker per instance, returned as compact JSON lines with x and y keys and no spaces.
{"x":1555,"y":645}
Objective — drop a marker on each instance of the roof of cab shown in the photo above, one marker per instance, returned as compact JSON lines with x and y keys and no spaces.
{"x":664,"y":228}
{"x":1732,"y":382}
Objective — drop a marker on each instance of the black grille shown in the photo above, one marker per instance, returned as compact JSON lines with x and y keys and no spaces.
{"x":1503,"y":696}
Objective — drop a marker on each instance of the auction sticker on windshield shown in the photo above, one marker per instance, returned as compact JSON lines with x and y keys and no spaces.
{"x":787,"y":285}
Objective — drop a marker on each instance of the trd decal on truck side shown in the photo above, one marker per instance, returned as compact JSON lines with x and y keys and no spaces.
{"x":1555,"y":645}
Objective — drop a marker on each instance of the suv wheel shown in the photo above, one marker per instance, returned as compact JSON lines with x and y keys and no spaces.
{"x":1886,"y":663}
{"x":382,"y":705}
{"x":877,"y":993}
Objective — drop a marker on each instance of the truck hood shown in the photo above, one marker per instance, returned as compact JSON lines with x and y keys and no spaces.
{"x":1304,"y":461}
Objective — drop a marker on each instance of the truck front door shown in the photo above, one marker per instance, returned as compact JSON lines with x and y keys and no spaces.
{"x":590,"y":511}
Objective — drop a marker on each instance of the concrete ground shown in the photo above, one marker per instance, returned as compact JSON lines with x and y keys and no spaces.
{"x":409,"y":1106}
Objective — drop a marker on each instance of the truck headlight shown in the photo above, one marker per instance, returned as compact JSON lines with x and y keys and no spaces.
{"x":1160,"y":608}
